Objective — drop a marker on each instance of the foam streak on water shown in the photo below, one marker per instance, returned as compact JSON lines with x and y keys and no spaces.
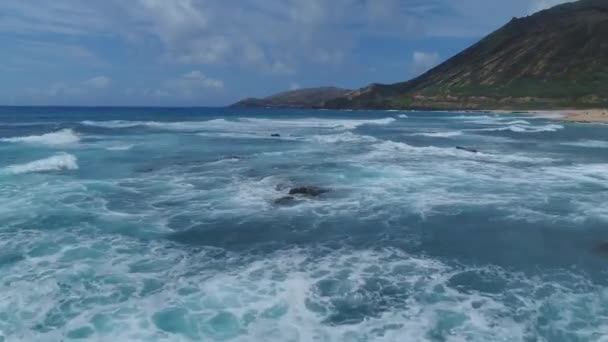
{"x":62,"y":137}
{"x":163,"y":225}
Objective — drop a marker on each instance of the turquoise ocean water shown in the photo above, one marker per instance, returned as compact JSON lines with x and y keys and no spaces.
{"x":150,"y":224}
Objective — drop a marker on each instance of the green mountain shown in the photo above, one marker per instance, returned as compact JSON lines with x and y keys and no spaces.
{"x":301,"y":98}
{"x":557,"y":58}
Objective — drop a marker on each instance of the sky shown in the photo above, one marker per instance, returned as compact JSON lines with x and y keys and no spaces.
{"x":214,"y":52}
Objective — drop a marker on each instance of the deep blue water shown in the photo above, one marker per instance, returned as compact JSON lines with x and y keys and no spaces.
{"x":149,"y":224}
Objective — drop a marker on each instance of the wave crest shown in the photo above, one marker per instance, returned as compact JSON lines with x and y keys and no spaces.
{"x":243,"y":124}
{"x":346,"y":137}
{"x":440,"y":134}
{"x":120,"y":147}
{"x":322,"y":123}
{"x":521,"y":128}
{"x":62,"y":137}
{"x":587,"y":143}
{"x":59,"y":162}
{"x":390,"y":148}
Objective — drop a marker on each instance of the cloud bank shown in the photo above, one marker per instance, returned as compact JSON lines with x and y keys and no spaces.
{"x":167,"y":49}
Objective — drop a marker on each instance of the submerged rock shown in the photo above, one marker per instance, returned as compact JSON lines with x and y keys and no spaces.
{"x":145,"y":170}
{"x":602,"y":248}
{"x":294,"y":193}
{"x":287,"y":200}
{"x":313,"y":191}
{"x":472,"y":150}
{"x":281,"y":186}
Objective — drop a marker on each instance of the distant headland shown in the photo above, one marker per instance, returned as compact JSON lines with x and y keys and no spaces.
{"x":554,"y":59}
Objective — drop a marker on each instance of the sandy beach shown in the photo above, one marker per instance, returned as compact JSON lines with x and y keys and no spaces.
{"x":574,"y":115}
{"x":586,"y":115}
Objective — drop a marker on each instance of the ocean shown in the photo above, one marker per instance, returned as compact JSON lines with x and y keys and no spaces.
{"x":160,"y":224}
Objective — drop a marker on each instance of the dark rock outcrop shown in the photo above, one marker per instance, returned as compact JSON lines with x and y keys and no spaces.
{"x":472,"y":150}
{"x":145,"y":170}
{"x":281,"y":187}
{"x":287,"y":200}
{"x":299,"y":192}
{"x":311,"y":191}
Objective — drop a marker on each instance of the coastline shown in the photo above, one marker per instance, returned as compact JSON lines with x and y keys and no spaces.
{"x":572,"y":115}
{"x":587,"y":115}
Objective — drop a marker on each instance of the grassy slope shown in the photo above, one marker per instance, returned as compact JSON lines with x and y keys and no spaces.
{"x":556,"y":58}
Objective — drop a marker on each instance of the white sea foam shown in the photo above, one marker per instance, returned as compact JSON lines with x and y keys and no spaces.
{"x":243,"y":124}
{"x":253,"y":194}
{"x":245,"y":135}
{"x":587,"y":143}
{"x":521,"y":128}
{"x":403,"y":116}
{"x":346,"y":137}
{"x":120,"y":147}
{"x":113,"y":123}
{"x":62,"y":137}
{"x":441,"y":134}
{"x":320,"y":123}
{"x":392,"y":149}
{"x":157,"y":291}
{"x":518,"y":122}
{"x":59,"y":162}
{"x":169,"y":125}
{"x":99,"y":276}
{"x":174,"y":126}
{"x":230,"y":135}
{"x":583,"y":173}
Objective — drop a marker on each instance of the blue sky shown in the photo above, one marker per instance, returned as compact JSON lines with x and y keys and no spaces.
{"x":214,"y":52}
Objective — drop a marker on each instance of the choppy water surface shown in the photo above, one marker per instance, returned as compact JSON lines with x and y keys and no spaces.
{"x":161,"y":225}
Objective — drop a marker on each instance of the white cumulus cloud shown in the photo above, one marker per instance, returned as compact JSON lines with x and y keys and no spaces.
{"x":424,"y":61}
{"x":196,"y":77}
{"x":274,"y":37}
{"x":192,"y":84}
{"x":98,"y":82}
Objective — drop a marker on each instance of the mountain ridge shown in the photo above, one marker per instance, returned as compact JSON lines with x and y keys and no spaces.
{"x":300,"y":98}
{"x":556,"y":58}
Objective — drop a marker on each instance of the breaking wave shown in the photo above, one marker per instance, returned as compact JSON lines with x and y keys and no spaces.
{"x":62,"y":137}
{"x":440,"y":134}
{"x":587,"y":143}
{"x":522,"y":128}
{"x":518,"y":122}
{"x":321,"y":123}
{"x":114,"y":124}
{"x":192,"y":236}
{"x":391,"y":149}
{"x":59,"y":162}
{"x":346,"y":137}
{"x":242,"y":123}
{"x":120,"y":147}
